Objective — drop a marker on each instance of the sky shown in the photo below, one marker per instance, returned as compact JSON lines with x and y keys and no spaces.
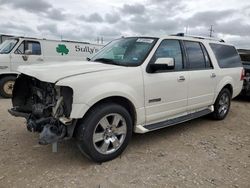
{"x":87,"y":20}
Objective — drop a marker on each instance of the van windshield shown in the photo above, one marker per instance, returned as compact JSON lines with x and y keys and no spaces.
{"x":7,"y":46}
{"x":130,"y":51}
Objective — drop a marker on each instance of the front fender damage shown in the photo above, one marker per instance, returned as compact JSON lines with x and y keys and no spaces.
{"x":45,"y":107}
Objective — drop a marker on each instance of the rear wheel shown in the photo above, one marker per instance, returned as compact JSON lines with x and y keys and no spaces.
{"x":222,"y":104}
{"x":105,"y":132}
{"x":6,"y":86}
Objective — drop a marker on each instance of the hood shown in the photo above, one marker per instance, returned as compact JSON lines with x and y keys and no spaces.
{"x":55,"y":71}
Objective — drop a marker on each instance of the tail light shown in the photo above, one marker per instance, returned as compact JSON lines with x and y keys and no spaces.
{"x":242,"y":77}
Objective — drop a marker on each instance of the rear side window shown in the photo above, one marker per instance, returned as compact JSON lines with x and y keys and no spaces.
{"x":226,"y":56}
{"x":195,"y":55}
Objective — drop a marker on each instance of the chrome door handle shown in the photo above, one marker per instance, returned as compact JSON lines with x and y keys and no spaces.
{"x":213,"y":75}
{"x":181,"y":78}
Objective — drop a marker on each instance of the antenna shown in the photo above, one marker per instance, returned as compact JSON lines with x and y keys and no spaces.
{"x":211,"y":31}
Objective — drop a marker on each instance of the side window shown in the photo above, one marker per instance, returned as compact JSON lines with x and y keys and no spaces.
{"x":33,"y":47}
{"x":171,"y":49}
{"x":226,"y":56}
{"x":195,"y":55}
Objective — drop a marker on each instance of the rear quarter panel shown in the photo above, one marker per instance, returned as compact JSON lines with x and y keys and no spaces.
{"x":230,"y":76}
{"x":225,"y":76}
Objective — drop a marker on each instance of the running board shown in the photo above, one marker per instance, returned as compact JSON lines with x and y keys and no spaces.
{"x":178,"y":120}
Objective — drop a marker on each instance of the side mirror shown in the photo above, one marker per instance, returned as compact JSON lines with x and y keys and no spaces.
{"x":162,"y":64}
{"x":28,"y":52}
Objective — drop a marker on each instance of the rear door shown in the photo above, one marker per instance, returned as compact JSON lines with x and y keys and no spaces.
{"x":28,"y":52}
{"x":166,"y":91}
{"x":202,"y":76}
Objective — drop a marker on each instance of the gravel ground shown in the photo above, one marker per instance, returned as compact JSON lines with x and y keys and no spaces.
{"x":199,"y":153}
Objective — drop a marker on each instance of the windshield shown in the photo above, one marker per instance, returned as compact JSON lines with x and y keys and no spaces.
{"x":126,"y":51}
{"x":7,"y":46}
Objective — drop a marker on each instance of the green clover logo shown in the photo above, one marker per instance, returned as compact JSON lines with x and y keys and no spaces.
{"x":62,"y":49}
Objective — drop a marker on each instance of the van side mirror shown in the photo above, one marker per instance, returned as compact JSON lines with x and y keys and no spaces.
{"x":28,"y":52}
{"x":162,"y":64}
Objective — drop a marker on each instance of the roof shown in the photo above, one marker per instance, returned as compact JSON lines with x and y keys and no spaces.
{"x":182,"y":36}
{"x":33,"y":38}
{"x":198,"y":37}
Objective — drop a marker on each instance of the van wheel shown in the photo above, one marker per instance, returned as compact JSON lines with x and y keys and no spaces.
{"x":105,"y":132}
{"x":222,"y":104}
{"x":6,"y":86}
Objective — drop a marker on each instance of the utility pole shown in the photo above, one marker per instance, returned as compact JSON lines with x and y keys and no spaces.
{"x":186,"y":30}
{"x":211,"y":31}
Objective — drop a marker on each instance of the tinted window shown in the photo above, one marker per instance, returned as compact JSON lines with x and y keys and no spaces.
{"x":170,"y":49}
{"x":226,"y":56}
{"x":195,"y":55}
{"x":33,"y":46}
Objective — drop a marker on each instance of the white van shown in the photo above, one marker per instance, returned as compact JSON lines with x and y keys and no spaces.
{"x":18,"y":51}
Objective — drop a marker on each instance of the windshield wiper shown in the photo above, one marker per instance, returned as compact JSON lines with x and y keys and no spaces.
{"x":107,"y":61}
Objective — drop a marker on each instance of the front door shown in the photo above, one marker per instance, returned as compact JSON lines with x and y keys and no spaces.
{"x":28,"y":52}
{"x":166,"y":91}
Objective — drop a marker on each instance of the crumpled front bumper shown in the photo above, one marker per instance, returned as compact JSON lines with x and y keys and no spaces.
{"x":44,"y":112}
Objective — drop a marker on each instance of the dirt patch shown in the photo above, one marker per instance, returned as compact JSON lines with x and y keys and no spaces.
{"x":199,"y":153}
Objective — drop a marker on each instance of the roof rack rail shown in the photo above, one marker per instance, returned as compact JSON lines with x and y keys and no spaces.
{"x":198,"y":37}
{"x":59,"y":40}
{"x":74,"y":41}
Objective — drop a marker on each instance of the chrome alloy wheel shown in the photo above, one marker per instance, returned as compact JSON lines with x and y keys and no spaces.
{"x":109,"y":133}
{"x":223,"y":104}
{"x":8,"y":87}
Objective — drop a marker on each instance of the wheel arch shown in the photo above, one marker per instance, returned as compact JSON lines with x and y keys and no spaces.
{"x":229,"y":87}
{"x":226,"y":82}
{"x":2,"y":75}
{"x":120,"y":100}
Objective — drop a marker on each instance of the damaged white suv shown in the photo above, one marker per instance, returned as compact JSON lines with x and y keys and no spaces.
{"x":135,"y":84}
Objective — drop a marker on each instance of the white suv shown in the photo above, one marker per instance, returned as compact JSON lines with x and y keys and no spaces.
{"x":135,"y":84}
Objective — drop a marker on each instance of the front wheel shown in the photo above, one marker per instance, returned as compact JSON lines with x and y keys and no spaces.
{"x":6,"y":86}
{"x":222,"y":104}
{"x":105,"y":132}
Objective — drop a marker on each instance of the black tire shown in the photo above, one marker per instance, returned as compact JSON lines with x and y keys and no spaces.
{"x":3,"y":81}
{"x":87,"y":128}
{"x":219,"y":113}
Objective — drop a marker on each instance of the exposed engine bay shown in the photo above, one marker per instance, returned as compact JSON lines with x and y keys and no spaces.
{"x":46,"y":108}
